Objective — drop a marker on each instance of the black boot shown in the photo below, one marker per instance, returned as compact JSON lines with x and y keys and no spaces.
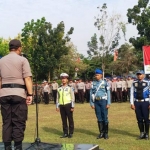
{"x":101,"y":130}
{"x":65,"y":135}
{"x":18,"y":145}
{"x":141,"y":128}
{"x":146,"y":131}
{"x":7,"y":145}
{"x":106,"y":131}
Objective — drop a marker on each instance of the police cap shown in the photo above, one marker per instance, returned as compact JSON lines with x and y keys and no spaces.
{"x":140,"y":72}
{"x":14,"y":44}
{"x":64,"y":75}
{"x":98,"y":71}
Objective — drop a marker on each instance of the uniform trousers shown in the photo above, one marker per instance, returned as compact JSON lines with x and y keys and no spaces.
{"x":87,"y":95}
{"x":14,"y":115}
{"x":128,"y":93}
{"x":124,"y":95}
{"x":66,"y":113}
{"x":119,"y":94}
{"x":46,"y":97}
{"x":81,"y":96}
{"x":101,"y":111}
{"x":114,"y":96}
{"x":54,"y":95}
{"x":142,"y":111}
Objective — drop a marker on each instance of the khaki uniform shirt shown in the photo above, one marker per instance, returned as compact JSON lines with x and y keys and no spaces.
{"x":54,"y":86}
{"x":13,"y":69}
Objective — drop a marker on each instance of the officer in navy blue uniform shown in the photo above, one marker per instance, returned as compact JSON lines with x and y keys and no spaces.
{"x":140,"y":102}
{"x":100,"y":101}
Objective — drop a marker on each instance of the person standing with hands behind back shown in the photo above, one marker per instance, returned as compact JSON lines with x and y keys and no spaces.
{"x":100,"y":101}
{"x":15,"y":95}
{"x":65,"y":103}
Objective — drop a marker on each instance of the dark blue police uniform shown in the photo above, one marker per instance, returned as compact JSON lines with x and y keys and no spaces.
{"x":139,"y":97}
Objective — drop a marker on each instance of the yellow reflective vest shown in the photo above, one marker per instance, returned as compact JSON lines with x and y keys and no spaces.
{"x":64,"y":95}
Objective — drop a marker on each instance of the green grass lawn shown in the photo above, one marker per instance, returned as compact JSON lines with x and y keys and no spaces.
{"x":123,"y":129}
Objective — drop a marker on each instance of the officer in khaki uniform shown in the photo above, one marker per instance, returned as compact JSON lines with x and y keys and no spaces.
{"x":65,"y":103}
{"x":15,"y":95}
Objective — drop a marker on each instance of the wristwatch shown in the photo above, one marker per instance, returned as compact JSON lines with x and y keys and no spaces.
{"x":29,"y":94}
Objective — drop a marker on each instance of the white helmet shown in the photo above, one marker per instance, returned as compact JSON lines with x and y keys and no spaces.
{"x":64,"y":75}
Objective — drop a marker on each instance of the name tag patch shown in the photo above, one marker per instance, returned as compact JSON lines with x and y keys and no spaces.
{"x":136,"y":84}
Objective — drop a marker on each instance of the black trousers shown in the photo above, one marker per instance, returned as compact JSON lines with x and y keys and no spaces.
{"x":128,"y":93}
{"x":14,"y":115}
{"x":46,"y":97}
{"x":114,"y":96}
{"x":87,"y":95}
{"x":119,"y":94}
{"x":81,"y":96}
{"x":142,"y":111}
{"x":67,"y":114}
{"x":54,"y":95}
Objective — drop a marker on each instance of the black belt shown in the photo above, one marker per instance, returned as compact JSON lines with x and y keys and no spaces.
{"x":13,"y":86}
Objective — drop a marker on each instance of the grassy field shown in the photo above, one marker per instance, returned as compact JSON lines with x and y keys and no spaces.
{"x":123,"y":129}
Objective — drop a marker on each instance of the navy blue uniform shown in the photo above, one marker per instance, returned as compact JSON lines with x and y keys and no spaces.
{"x":139,"y":97}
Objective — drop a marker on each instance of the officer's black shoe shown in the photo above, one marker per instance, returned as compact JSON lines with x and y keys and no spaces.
{"x":101,"y":130}
{"x":106,"y":131}
{"x":142,"y":136}
{"x":8,"y":148}
{"x":64,"y":136}
{"x":19,"y":147}
{"x":70,"y":135}
{"x":7,"y":145}
{"x":106,"y":136}
{"x":101,"y":135}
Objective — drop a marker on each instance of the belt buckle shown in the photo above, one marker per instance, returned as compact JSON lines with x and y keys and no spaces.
{"x":97,"y":98}
{"x":12,"y":85}
{"x":139,"y":100}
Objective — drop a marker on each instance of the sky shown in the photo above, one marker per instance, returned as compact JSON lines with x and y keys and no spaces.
{"x":74,"y":13}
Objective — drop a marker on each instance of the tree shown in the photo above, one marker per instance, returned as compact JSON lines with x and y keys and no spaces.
{"x":126,"y":62}
{"x":45,"y":45}
{"x":109,"y":28}
{"x":4,"y":48}
{"x":139,"y":16}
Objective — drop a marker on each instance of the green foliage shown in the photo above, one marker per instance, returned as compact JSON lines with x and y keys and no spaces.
{"x":4,"y":49}
{"x":127,"y":60}
{"x":45,"y":45}
{"x":139,"y":16}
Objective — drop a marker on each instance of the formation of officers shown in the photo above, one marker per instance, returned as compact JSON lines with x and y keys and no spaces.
{"x":119,"y":89}
{"x":16,"y":93}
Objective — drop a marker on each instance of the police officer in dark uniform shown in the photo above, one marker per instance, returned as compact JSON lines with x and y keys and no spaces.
{"x":15,"y":95}
{"x":100,"y":101}
{"x":140,"y":102}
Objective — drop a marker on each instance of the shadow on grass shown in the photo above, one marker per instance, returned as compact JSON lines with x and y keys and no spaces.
{"x":122,"y":132}
{"x":52,"y":130}
{"x":88,"y":132}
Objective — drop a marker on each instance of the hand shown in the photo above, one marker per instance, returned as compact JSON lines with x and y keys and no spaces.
{"x":93,"y":107}
{"x":72,"y":109}
{"x":149,"y":107}
{"x":57,"y":109}
{"x":107,"y":106}
{"x":29,"y":100}
{"x":133,"y":107}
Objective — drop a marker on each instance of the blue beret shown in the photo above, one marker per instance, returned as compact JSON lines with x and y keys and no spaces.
{"x":140,"y":72}
{"x":98,"y":71}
